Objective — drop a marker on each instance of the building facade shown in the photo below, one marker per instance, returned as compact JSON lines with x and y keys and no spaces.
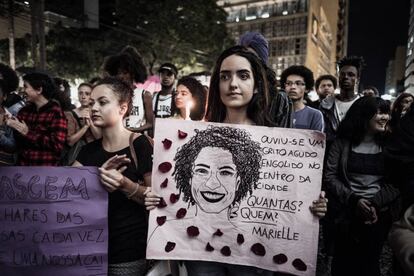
{"x":394,"y":76}
{"x":308,"y":32}
{"x":409,"y":62}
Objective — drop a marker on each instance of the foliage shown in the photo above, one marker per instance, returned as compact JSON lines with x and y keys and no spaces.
{"x":185,"y":32}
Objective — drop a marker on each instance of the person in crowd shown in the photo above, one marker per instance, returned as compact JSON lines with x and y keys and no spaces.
{"x":399,"y":150}
{"x":163,"y":103}
{"x":11,"y":83}
{"x":40,"y":126}
{"x":370,"y":91}
{"x":129,"y":67}
{"x":81,"y":130}
{"x":190,"y":99}
{"x":401,"y":240}
{"x":399,"y":108}
{"x":7,"y":141}
{"x":64,"y":96}
{"x":239,"y":94}
{"x":325,"y":86}
{"x":361,"y":195}
{"x":297,"y":80}
{"x":125,"y":161}
{"x":281,"y":108}
{"x":334,"y":108}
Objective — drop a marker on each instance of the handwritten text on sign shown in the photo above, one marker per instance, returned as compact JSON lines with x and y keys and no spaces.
{"x":236,"y":194}
{"x":53,"y":221}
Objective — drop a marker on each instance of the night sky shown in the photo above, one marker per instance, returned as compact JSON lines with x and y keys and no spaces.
{"x":376,"y":28}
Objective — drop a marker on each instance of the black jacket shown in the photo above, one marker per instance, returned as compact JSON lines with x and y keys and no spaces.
{"x":343,"y":199}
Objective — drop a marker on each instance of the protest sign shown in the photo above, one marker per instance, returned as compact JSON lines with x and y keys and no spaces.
{"x":53,"y":221}
{"x":236,"y":194}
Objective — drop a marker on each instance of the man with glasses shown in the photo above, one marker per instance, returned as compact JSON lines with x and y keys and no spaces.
{"x":297,"y":80}
{"x":163,"y":102}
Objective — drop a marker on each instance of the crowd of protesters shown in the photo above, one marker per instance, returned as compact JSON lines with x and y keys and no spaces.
{"x":368,"y":170}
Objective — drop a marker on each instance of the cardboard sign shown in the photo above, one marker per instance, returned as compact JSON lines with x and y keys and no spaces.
{"x":53,"y":221}
{"x":236,"y":194}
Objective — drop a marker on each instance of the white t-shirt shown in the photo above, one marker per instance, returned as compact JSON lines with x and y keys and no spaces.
{"x":163,"y":108}
{"x":136,"y":118}
{"x":343,"y":107}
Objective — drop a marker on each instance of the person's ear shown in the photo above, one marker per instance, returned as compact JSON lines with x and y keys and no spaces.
{"x":255,"y":91}
{"x":123,"y":108}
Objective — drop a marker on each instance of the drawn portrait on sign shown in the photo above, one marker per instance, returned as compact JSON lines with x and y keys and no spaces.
{"x":217,"y":168}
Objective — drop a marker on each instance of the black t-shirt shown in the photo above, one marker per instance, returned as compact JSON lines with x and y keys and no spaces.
{"x":127,"y":220}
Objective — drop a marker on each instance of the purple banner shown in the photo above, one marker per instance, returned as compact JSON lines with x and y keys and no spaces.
{"x":53,"y":221}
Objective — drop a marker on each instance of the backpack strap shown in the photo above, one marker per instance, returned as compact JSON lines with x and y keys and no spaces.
{"x":132,"y":138}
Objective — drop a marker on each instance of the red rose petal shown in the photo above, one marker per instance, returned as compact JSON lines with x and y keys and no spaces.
{"x":181,"y":213}
{"x":280,"y":258}
{"x":164,"y":167}
{"x":169,"y":246}
{"x":167,"y":143}
{"x":240,"y":239}
{"x":182,"y":134}
{"x":218,"y":233}
{"x":174,"y":198}
{"x":192,"y":231}
{"x":164,"y":183}
{"x":258,"y":249}
{"x":226,"y":251}
{"x":209,"y":248}
{"x":299,"y":265}
{"x":162,"y":203}
{"x":161,"y":220}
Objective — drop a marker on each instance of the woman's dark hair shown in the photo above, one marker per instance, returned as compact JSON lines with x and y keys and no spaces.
{"x":299,"y":70}
{"x":11,"y":80}
{"x":397,"y":109}
{"x":43,"y":81}
{"x":121,"y":90}
{"x":246,"y":156}
{"x":199,"y":96}
{"x":258,"y":107}
{"x":86,"y":84}
{"x":127,"y":61}
{"x":355,"y":125}
{"x":2,"y":89}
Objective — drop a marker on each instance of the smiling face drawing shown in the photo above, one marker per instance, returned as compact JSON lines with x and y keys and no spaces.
{"x":214,"y":184}
{"x":217,"y":168}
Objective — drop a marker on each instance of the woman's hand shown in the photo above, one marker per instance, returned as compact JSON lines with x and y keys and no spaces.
{"x":115,"y":162}
{"x":151,"y":200}
{"x":21,"y":127}
{"x":366,"y":211}
{"x":320,"y":206}
{"x":112,"y":179}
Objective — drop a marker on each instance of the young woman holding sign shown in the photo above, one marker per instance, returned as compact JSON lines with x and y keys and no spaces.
{"x":239,"y":94}
{"x":126,"y":181}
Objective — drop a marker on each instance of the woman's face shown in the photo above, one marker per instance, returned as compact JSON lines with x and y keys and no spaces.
{"x":84,"y":95}
{"x":406,"y":103}
{"x":214,"y":184}
{"x":31,"y":94}
{"x":378,"y":123}
{"x":106,"y":110}
{"x":236,"y":82}
{"x":183,"y":97}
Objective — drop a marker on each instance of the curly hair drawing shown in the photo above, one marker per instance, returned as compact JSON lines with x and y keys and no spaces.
{"x":246,"y":155}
